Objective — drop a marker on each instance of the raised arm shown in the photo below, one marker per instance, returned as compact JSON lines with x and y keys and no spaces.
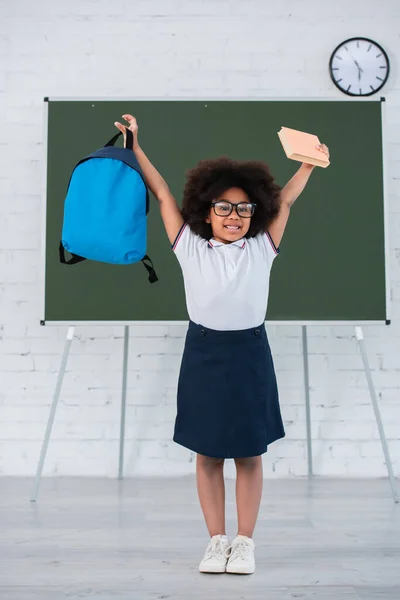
{"x":289,"y":195}
{"x":170,"y":212}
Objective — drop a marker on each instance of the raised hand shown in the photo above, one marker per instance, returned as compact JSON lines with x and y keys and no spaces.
{"x":323,"y":148}
{"x":132,"y":126}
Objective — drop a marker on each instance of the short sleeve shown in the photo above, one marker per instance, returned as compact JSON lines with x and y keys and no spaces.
{"x":270,"y":249}
{"x":186,"y":244}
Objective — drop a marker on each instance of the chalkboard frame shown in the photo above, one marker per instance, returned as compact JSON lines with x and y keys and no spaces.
{"x":44,"y":321}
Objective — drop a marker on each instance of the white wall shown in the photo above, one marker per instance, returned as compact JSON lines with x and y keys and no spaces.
{"x":203,"y":48}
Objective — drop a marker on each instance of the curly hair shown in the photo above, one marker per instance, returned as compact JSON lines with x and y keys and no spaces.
{"x":209,"y":179}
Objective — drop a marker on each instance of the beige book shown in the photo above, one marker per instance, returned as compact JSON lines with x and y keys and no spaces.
{"x":302,"y":147}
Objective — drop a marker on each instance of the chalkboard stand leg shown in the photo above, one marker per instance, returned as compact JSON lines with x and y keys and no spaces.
{"x":307,"y":398}
{"x":50,"y":422}
{"x":360,"y":339}
{"x":123,"y":403}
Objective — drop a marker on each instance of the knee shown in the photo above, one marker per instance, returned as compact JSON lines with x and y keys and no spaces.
{"x":208,"y":463}
{"x":252,"y":463}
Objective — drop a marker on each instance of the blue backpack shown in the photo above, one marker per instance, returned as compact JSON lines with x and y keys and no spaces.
{"x":105,"y":210}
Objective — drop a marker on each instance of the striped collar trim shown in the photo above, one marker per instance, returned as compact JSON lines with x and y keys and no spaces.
{"x":215,"y":244}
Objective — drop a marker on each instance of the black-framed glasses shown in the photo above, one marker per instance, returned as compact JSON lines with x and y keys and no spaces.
{"x":223,"y":208}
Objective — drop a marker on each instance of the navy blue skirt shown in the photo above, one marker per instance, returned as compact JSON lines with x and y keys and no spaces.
{"x":228,"y":405}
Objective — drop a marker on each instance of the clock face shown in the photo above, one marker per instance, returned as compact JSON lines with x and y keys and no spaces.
{"x":359,"y":67}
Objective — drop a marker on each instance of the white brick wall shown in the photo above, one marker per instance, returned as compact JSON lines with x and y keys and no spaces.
{"x":99,"y":48}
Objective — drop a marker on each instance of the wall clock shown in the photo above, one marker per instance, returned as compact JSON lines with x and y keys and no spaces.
{"x":359,"y":67}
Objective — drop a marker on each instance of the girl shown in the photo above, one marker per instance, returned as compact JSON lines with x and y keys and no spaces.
{"x":226,"y":238}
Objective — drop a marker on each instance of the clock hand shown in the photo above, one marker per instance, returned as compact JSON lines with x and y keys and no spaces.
{"x":358,"y":66}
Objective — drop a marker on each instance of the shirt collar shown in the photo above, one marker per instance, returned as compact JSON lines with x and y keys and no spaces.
{"x":241,"y":243}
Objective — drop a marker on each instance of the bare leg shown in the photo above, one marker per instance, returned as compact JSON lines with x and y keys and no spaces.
{"x":211,"y":491}
{"x":249,"y":482}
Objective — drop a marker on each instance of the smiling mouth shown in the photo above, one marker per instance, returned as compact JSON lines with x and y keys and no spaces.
{"x":232,"y":227}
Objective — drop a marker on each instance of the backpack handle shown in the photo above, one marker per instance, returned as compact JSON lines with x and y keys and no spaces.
{"x":129,"y":139}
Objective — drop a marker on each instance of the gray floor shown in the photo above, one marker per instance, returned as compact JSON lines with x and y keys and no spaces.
{"x":143,"y":538}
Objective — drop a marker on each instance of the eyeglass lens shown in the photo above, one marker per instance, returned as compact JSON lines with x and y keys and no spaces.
{"x":224,"y":208}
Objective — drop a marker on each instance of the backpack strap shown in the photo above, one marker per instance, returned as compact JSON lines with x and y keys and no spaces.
{"x":72,"y":261}
{"x":77,"y":259}
{"x":149,"y":268}
{"x":146,"y":259}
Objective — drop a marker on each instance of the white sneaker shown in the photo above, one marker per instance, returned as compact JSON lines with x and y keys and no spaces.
{"x":216,"y":555}
{"x":241,"y":556}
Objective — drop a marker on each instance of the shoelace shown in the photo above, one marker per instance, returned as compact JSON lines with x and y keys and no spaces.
{"x":240,"y":549}
{"x":215,"y":547}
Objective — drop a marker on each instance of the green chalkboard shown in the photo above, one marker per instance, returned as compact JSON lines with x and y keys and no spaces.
{"x":332,"y":261}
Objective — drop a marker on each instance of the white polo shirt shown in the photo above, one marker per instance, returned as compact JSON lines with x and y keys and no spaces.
{"x":226,"y":285}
